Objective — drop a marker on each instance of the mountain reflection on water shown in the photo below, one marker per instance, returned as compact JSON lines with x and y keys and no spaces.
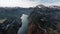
{"x":24,"y":27}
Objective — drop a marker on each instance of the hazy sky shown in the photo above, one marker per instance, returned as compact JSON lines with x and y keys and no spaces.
{"x":27,"y":3}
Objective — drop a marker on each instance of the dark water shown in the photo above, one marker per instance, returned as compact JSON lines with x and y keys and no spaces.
{"x":24,"y":28}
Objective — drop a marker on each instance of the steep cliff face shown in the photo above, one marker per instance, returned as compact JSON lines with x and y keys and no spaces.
{"x":45,"y":17}
{"x":11,"y":25}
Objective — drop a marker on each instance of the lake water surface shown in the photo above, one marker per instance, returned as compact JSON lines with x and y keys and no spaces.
{"x":24,"y":27}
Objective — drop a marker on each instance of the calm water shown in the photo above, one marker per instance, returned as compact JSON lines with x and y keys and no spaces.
{"x":24,"y":28}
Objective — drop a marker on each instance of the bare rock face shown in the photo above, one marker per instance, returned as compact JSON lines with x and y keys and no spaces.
{"x":15,"y":25}
{"x":44,"y":18}
{"x":11,"y":25}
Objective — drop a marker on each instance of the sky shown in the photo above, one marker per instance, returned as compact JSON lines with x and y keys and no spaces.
{"x":27,"y":3}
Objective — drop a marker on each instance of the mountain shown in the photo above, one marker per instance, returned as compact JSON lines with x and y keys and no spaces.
{"x":10,"y":17}
{"x":43,"y":17}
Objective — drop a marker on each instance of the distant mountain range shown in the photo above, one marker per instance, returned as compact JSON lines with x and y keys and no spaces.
{"x":17,"y":11}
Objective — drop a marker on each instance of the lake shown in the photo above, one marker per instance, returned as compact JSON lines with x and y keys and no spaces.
{"x":24,"y":28}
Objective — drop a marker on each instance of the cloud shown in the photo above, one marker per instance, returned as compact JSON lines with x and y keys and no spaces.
{"x":14,"y":3}
{"x":27,"y":3}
